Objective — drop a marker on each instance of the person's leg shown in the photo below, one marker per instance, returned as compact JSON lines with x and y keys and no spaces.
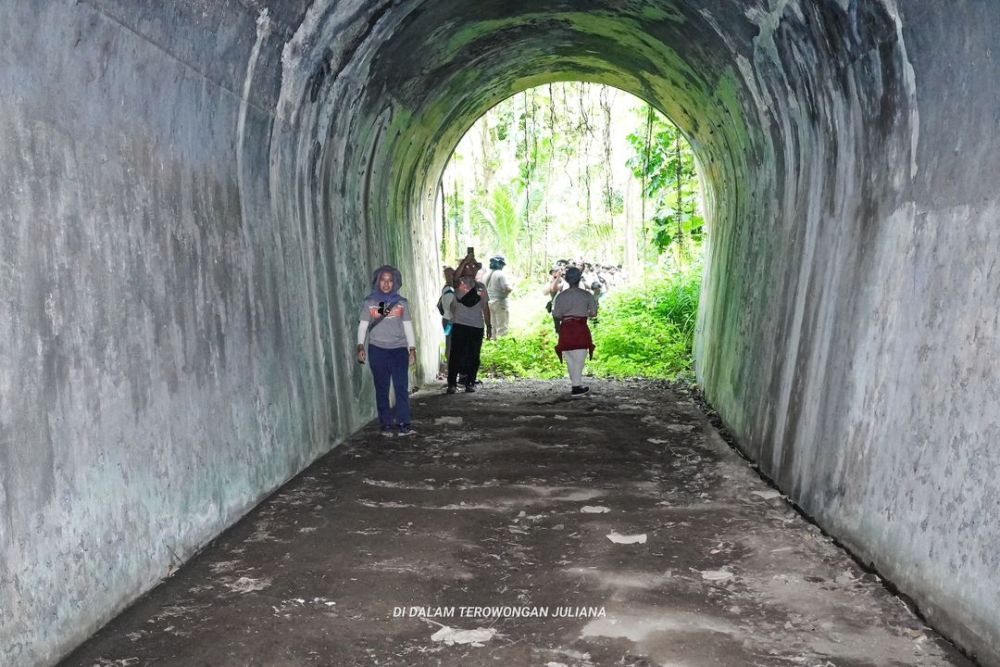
{"x":378,"y":362}
{"x":400,"y":370}
{"x":575,"y":360}
{"x":500,"y":318}
{"x":474,"y":349}
{"x":457,"y":353}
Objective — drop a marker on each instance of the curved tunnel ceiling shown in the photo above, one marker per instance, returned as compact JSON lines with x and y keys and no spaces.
{"x":751,"y":86}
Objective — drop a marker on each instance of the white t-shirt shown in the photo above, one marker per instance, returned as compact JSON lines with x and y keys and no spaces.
{"x":497,"y":285}
{"x":574,"y":302}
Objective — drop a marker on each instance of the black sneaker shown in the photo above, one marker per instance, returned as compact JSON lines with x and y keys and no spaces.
{"x":452,"y":389}
{"x":579,"y":391}
{"x":405,"y":431}
{"x":470,"y":389}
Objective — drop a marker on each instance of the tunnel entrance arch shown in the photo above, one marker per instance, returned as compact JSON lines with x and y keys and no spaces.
{"x":792,"y":108}
{"x":573,"y":173}
{"x":412,"y":112}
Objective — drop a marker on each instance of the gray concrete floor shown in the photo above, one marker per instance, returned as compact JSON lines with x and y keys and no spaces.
{"x":386,"y":550}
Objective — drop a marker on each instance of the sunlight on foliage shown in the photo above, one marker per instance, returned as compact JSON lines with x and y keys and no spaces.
{"x":648,"y":332}
{"x":572,"y":169}
{"x":642,"y":332}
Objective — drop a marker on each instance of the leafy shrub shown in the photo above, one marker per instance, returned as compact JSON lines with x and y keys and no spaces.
{"x":528,"y":354}
{"x":648,"y":332}
{"x":644,"y":331}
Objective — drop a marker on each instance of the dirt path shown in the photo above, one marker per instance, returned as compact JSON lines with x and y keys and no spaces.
{"x":496,"y":519}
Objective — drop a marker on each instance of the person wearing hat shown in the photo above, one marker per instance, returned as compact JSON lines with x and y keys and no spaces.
{"x":499,"y":289}
{"x":571,"y":310}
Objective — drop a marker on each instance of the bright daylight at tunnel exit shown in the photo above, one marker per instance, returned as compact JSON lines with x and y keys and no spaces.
{"x":573,"y":174}
{"x":454,"y":332}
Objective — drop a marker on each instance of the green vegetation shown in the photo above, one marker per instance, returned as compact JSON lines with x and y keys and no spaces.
{"x":567,"y":170}
{"x":527,"y":354}
{"x":642,"y":332}
{"x":664,"y":163}
{"x":649,"y":332}
{"x":589,"y":173}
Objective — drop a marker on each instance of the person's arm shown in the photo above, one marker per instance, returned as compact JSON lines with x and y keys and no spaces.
{"x":460,"y":271}
{"x":557,"y":313}
{"x":448,"y":305}
{"x":362,"y":333}
{"x":411,"y":340}
{"x":592,"y":306}
{"x":485,"y":296}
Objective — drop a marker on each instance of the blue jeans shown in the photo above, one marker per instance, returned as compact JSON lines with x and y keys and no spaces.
{"x":391,"y":365}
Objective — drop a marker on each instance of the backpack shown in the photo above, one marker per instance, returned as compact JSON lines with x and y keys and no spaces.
{"x":440,"y":303}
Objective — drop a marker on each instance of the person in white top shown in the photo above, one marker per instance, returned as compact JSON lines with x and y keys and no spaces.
{"x":499,"y":289}
{"x":571,"y":310}
{"x":444,"y":306}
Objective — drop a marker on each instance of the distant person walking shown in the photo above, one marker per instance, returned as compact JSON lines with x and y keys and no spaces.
{"x":570,"y":310}
{"x":499,"y":289}
{"x":555,"y":284}
{"x":386,"y":325}
{"x":470,"y":315}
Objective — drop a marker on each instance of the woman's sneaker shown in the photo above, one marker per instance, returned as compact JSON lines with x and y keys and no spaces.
{"x":579,"y":391}
{"x":405,"y":431}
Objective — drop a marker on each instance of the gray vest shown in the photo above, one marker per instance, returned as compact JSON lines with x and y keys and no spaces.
{"x":470,"y":317}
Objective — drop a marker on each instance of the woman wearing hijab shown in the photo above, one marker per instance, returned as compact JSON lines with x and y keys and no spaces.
{"x":385,"y":322}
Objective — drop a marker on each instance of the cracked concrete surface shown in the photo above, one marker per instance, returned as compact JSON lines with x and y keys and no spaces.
{"x":468,"y":545}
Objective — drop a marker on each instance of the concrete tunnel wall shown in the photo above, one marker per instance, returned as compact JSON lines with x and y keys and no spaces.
{"x":194,"y":196}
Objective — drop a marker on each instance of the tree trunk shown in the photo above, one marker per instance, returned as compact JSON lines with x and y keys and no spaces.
{"x":679,"y":211}
{"x":443,"y":198}
{"x":645,"y":176}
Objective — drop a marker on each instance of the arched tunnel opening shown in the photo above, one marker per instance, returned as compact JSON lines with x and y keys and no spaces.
{"x":578,"y":174}
{"x":194,"y":194}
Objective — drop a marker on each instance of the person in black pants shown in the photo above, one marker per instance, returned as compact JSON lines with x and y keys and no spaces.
{"x":470,"y":315}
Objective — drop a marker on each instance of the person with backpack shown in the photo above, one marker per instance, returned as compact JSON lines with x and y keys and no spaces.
{"x":386,"y":324}
{"x":444,"y":306}
{"x":470,"y":316}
